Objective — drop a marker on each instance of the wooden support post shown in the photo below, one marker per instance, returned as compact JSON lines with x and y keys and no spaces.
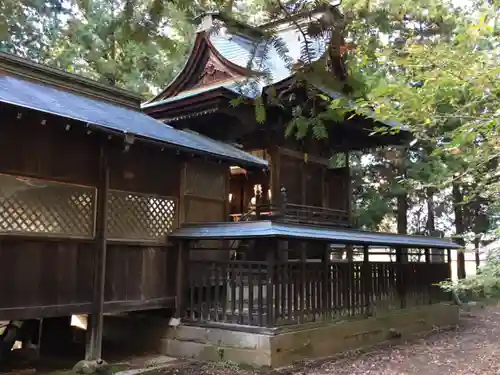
{"x":367,"y":280}
{"x":275,"y":173}
{"x":93,"y":349}
{"x":180,"y":284}
{"x":349,"y":189}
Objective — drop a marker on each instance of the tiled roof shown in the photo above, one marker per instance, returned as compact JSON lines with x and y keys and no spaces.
{"x":44,"y":98}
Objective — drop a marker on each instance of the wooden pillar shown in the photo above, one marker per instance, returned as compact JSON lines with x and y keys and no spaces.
{"x":324,"y":187}
{"x":181,"y":277}
{"x":93,"y":349}
{"x":182,"y":195}
{"x":349,"y":189}
{"x":275,"y":173}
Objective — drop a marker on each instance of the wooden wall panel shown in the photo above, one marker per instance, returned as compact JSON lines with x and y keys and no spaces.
{"x":291,"y":178}
{"x":28,"y":147}
{"x":45,"y":273}
{"x":51,"y":278}
{"x":338,"y":184}
{"x":199,"y":210}
{"x":42,"y":277}
{"x":145,"y":169}
{"x":136,"y":273}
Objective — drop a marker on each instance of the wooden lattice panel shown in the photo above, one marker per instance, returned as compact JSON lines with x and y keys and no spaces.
{"x":140,"y":217}
{"x":31,"y":206}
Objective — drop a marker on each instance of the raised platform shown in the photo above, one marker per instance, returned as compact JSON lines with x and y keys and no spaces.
{"x":284,"y":347}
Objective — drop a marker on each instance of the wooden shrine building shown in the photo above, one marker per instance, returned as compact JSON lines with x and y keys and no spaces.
{"x":191,"y":207}
{"x":292,"y":259}
{"x":224,"y":67}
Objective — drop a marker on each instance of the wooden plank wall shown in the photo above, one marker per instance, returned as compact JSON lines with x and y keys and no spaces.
{"x":205,"y":190}
{"x":309,"y":181}
{"x":50,"y":277}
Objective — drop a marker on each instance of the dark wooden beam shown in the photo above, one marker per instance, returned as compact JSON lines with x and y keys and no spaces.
{"x":49,"y":311}
{"x":93,"y":349}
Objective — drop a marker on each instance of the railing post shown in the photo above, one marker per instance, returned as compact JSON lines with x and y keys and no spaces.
{"x":326,"y":297}
{"x":367,"y":280}
{"x":428,"y":274}
{"x":450,"y":264}
{"x":181,"y":277}
{"x":401,"y":280}
{"x":283,"y":202}
{"x":270,"y":284}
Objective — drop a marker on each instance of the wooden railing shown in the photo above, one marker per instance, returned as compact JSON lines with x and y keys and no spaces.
{"x":295,"y":213}
{"x":295,"y":292}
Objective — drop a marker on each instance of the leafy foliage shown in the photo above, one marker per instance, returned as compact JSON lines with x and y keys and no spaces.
{"x":122,"y":43}
{"x":28,"y":27}
{"x":485,"y":284}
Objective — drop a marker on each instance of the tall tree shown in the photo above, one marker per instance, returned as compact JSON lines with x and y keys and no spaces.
{"x":135,"y":44}
{"x":28,"y":27}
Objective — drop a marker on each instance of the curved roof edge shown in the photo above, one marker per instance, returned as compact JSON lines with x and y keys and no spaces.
{"x":267,"y":229}
{"x":202,"y":43}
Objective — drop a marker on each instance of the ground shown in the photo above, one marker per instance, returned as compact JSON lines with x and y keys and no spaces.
{"x":471,"y":349}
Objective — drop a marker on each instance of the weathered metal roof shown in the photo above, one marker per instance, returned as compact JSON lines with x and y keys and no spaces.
{"x":264,"y":57}
{"x":262,"y":229}
{"x":17,"y":91}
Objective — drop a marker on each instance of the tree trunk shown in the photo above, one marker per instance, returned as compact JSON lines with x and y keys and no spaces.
{"x":403,"y":197}
{"x":431,"y":222}
{"x":476,"y":251}
{"x":459,"y":228}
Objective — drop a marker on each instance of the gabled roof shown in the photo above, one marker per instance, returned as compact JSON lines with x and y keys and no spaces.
{"x":239,"y":56}
{"x":267,"y":229}
{"x":88,"y":109}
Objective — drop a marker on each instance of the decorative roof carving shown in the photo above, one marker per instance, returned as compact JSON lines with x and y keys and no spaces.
{"x":213,"y":72}
{"x":205,"y":66}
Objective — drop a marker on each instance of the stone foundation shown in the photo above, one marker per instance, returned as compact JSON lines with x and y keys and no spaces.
{"x":286,"y":347}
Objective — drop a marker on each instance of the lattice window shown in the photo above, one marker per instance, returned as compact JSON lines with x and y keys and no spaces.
{"x":140,"y":217}
{"x":32,"y":206}
{"x":206,"y":181}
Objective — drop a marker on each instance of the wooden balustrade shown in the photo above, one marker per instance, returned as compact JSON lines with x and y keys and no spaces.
{"x":294,"y":292}
{"x":297,"y":214}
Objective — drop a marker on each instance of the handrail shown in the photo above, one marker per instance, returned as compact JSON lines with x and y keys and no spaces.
{"x":298,"y":213}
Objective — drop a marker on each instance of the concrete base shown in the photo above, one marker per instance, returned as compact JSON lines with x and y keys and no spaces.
{"x":287,"y":347}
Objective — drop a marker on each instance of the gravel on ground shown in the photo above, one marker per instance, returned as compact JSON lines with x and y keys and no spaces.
{"x":473,"y":348}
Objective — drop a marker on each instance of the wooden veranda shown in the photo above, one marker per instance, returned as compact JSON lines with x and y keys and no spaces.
{"x":282,"y":274}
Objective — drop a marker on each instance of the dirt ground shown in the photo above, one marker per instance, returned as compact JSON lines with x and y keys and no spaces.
{"x":471,"y":349}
